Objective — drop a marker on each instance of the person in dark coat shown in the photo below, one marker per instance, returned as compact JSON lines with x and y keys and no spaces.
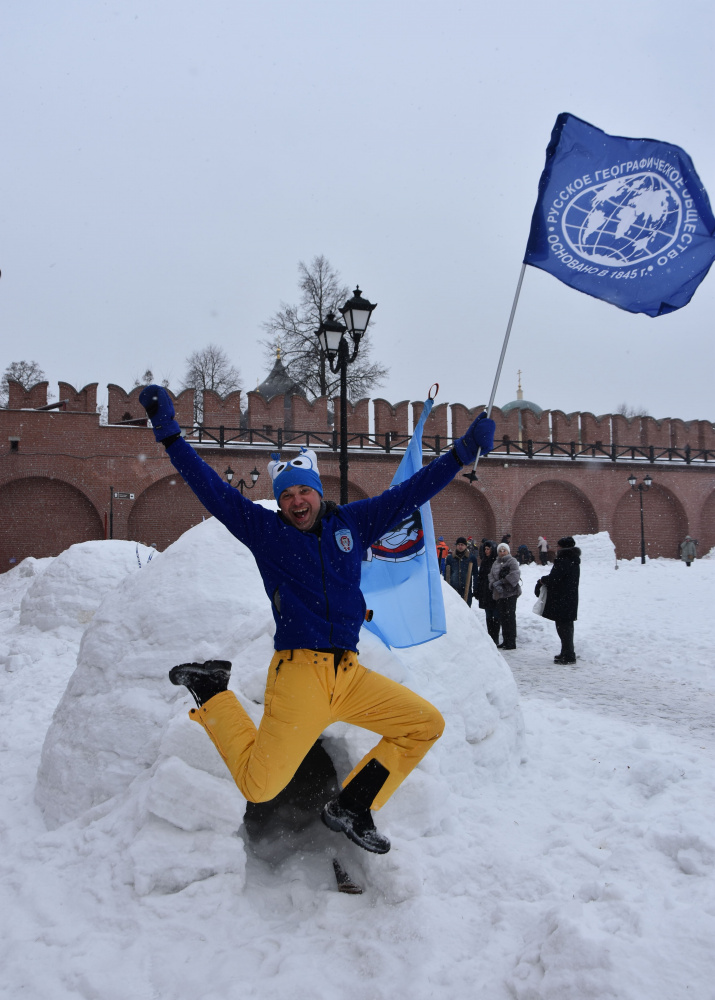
{"x":483,"y":593}
{"x":562,"y":595}
{"x":460,"y":569}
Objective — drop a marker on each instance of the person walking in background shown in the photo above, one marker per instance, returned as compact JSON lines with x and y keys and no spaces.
{"x":460,"y":570}
{"x":442,"y":553}
{"x":506,"y":539}
{"x":688,"y":550}
{"x":483,"y":593}
{"x":562,"y":595}
{"x":504,"y":578}
{"x":543,"y":546}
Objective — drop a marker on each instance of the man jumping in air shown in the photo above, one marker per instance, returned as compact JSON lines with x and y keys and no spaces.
{"x":309,"y":555}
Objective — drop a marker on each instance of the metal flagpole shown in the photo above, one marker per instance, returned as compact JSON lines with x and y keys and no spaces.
{"x":471,"y":476}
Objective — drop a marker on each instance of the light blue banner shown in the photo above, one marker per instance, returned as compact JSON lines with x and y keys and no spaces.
{"x":400,"y":578}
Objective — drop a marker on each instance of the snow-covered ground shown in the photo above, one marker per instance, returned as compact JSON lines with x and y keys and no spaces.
{"x":558,"y":842}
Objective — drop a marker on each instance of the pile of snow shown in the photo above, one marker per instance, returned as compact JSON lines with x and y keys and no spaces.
{"x":596,"y":549}
{"x":121,"y":729}
{"x":585,"y":872}
{"x":69,"y":591}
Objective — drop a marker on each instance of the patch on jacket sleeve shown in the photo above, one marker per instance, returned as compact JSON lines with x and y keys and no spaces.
{"x":344,"y":539}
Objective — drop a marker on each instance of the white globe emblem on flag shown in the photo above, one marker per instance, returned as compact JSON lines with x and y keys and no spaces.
{"x":623,"y":221}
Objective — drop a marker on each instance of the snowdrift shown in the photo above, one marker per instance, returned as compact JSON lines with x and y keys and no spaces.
{"x":121,"y":734}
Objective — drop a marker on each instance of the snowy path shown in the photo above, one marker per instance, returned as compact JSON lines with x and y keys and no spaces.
{"x":665,"y":680}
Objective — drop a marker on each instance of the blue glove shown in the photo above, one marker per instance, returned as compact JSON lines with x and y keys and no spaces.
{"x":479,"y":435}
{"x":160,"y":410}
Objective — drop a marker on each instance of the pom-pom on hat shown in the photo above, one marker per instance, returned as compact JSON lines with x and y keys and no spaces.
{"x":566,"y":542}
{"x":299,"y":471}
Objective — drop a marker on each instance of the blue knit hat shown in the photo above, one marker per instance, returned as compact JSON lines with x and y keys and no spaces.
{"x":300,"y":471}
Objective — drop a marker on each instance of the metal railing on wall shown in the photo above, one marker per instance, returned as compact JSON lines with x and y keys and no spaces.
{"x":279,"y":438}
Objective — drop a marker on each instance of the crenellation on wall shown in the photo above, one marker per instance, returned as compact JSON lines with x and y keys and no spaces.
{"x":463,"y":416}
{"x":507,"y":423}
{"x":435,"y":424}
{"x":221,"y":410}
{"x":79,"y":401}
{"x":311,"y":416}
{"x":565,"y":427}
{"x":536,"y":427}
{"x":596,"y":429}
{"x":20,"y":398}
{"x":705,"y":435}
{"x":358,"y":416}
{"x":655,"y":432}
{"x":626,"y":430}
{"x":123,"y":406}
{"x":391,"y":419}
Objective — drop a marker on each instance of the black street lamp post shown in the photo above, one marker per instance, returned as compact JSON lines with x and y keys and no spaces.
{"x":242,"y":484}
{"x":331,"y":336}
{"x":642,"y":488}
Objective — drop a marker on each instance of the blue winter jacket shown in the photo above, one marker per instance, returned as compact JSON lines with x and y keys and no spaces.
{"x":312,"y":577}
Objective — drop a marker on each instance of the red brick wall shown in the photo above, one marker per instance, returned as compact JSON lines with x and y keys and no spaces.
{"x":42,"y":517}
{"x":665,"y":524}
{"x":552,"y":509}
{"x":391,"y":419}
{"x":358,"y":416}
{"x":20,"y":398}
{"x":311,"y":416}
{"x":68,"y":454}
{"x":84,"y":401}
{"x":218,"y":410}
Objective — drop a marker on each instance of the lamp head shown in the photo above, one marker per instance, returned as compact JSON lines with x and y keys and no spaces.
{"x":330,"y":333}
{"x":356,"y":312}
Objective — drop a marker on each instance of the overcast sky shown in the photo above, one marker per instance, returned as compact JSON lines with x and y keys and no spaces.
{"x":166,"y":164}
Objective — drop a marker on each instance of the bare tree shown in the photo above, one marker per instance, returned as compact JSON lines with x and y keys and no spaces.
{"x":27,"y":373}
{"x":210,"y":368}
{"x":147,"y":378}
{"x":631,"y":411}
{"x":294,"y":329}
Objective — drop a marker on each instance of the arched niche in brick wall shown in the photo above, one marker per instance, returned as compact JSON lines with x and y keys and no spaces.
{"x":706,"y":536}
{"x":460,"y":509}
{"x":331,"y":489}
{"x":665,"y":524}
{"x":164,"y":511}
{"x":41,"y":517}
{"x":552,"y":508}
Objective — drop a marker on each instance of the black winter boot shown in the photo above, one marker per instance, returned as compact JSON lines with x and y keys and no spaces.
{"x":356,"y":824}
{"x":203,"y":680}
{"x":350,"y":814}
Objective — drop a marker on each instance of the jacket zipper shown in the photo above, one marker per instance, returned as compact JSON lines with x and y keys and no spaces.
{"x":325,"y":589}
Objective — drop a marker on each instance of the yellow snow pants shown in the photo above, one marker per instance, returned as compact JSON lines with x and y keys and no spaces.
{"x":304,"y":695}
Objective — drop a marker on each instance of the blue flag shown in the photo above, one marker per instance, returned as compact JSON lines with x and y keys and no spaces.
{"x":624,"y":220}
{"x":400,"y":577}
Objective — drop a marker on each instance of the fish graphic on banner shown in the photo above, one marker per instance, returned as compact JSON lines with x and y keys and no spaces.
{"x":625,"y":220}
{"x":400,"y":581}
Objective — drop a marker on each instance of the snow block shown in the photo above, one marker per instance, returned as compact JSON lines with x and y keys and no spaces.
{"x":69,"y":591}
{"x":202,"y":598}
